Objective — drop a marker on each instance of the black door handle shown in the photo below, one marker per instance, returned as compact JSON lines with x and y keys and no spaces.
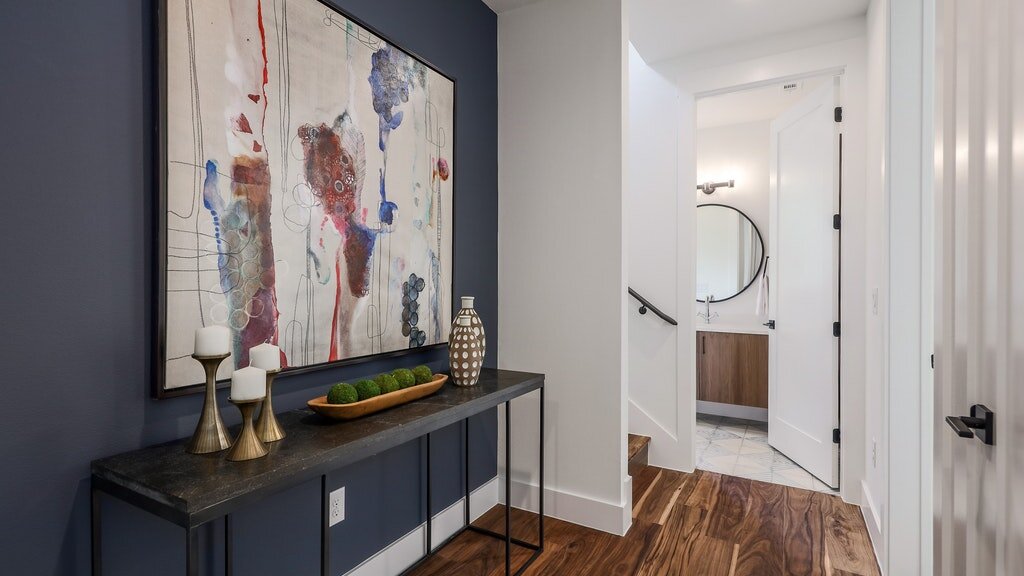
{"x":981,"y":419}
{"x":959,"y":426}
{"x":770,"y":324}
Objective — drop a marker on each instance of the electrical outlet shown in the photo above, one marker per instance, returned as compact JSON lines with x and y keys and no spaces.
{"x":337,"y":506}
{"x":874,"y":453}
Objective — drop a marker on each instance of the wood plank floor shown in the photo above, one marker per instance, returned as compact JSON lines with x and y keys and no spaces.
{"x":701,"y":524}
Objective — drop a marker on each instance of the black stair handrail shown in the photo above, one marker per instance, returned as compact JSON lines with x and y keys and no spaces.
{"x":645,"y":305}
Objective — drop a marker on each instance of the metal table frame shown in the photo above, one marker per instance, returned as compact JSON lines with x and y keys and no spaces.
{"x":100,"y":486}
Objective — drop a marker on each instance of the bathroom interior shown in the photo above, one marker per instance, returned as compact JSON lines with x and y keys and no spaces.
{"x":767,"y":242}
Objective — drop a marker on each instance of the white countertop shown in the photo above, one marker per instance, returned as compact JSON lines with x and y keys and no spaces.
{"x":733,"y":328}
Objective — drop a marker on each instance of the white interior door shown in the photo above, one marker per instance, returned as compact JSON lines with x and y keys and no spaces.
{"x":803,"y":402}
{"x":979,"y":267}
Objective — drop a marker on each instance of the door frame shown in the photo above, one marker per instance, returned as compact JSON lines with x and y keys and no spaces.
{"x":837,"y":75}
{"x":847,"y":57}
{"x":909,"y":200}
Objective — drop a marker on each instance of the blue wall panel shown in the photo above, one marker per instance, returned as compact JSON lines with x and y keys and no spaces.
{"x":76,"y":291}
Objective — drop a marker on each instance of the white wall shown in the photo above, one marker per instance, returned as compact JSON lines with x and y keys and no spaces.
{"x":739,"y":152}
{"x":656,"y":407}
{"x":561,"y":271}
{"x":876,"y":282}
{"x":848,"y":57}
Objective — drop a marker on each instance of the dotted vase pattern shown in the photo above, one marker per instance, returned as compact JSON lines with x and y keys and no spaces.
{"x":474,"y":322}
{"x":466,"y":349}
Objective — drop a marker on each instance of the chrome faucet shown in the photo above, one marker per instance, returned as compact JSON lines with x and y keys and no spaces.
{"x":707,"y":315}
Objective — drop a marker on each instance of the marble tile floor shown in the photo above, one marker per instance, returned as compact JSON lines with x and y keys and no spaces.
{"x":740,"y":448}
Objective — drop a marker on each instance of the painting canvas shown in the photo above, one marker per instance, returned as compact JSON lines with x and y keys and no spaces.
{"x":307,"y":175}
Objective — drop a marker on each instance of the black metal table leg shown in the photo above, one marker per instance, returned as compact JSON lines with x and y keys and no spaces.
{"x":229,"y":568}
{"x":508,"y":488}
{"x":430,"y":536}
{"x":192,"y":551}
{"x":537,"y":548}
{"x":540,"y":535}
{"x":465,"y":429}
{"x":325,"y":528}
{"x":97,"y":532}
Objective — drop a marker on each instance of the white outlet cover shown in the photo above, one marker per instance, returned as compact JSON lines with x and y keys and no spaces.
{"x":337,"y":506}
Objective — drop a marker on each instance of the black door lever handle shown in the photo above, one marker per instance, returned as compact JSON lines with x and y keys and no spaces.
{"x":959,"y":426}
{"x":981,"y":419}
{"x":770,"y":324}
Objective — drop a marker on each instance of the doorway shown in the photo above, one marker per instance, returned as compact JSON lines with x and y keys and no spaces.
{"x":767,"y":252}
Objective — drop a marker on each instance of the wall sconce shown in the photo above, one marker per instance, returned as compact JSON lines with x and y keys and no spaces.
{"x":710,"y":187}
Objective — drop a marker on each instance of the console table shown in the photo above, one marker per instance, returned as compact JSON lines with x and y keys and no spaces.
{"x":191,"y":490}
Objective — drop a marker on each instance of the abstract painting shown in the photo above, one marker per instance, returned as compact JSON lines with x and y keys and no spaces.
{"x":306,"y":179}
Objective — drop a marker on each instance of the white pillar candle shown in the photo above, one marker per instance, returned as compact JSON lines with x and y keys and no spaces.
{"x":266,"y":356}
{"x":248,"y":384}
{"x":213,"y":341}
{"x":467,"y":302}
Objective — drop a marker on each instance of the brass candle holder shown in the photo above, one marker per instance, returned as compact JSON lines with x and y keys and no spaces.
{"x":248,"y":445}
{"x":267,"y":427}
{"x":211,"y":435}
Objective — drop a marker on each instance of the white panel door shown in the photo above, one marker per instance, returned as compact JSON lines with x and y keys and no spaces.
{"x":979,"y":267}
{"x":803,"y":402}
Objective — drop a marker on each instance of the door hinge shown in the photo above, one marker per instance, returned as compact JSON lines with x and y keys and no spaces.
{"x":835,"y":329}
{"x":835,"y":435}
{"x":836,"y":221}
{"x":933,"y":361}
{"x":839,"y":113}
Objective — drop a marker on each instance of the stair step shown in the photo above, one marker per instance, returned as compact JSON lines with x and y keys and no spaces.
{"x":638,"y":450}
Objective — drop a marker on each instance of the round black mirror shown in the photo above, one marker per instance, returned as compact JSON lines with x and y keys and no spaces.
{"x":730,"y":252}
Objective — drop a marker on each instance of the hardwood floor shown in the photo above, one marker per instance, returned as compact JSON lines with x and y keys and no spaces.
{"x":701,"y":524}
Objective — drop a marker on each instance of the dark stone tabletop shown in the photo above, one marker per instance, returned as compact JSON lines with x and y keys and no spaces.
{"x":196,"y":488}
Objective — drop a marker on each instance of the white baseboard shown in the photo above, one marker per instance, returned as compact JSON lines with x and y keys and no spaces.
{"x":732,"y":410}
{"x":874,"y":523}
{"x":405,"y":551}
{"x":592,"y":513}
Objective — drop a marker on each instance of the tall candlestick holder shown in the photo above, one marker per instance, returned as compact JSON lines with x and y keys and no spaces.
{"x":248,"y":445}
{"x":267,"y":427}
{"x":211,"y":435}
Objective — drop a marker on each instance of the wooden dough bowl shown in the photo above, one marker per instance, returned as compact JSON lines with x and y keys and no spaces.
{"x":377,"y":403}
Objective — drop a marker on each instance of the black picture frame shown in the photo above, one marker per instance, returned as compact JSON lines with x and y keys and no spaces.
{"x":760,"y":239}
{"x":160,"y":177}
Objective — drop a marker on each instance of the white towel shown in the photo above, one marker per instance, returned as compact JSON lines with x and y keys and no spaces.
{"x":761,"y":307}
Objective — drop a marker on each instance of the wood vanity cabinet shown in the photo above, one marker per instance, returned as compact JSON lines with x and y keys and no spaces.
{"x":732,"y":368}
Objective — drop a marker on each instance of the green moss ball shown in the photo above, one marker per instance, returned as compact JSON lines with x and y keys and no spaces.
{"x":423,"y":374}
{"x":405,"y":377}
{"x":342,"y":394}
{"x":386,"y":383}
{"x":367,"y":389}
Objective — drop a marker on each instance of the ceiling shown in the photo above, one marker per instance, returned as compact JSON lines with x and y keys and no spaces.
{"x":664,"y":29}
{"x":500,"y":6}
{"x":765,"y":103}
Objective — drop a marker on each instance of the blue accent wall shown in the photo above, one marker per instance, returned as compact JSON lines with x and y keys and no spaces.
{"x":76,"y":293}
